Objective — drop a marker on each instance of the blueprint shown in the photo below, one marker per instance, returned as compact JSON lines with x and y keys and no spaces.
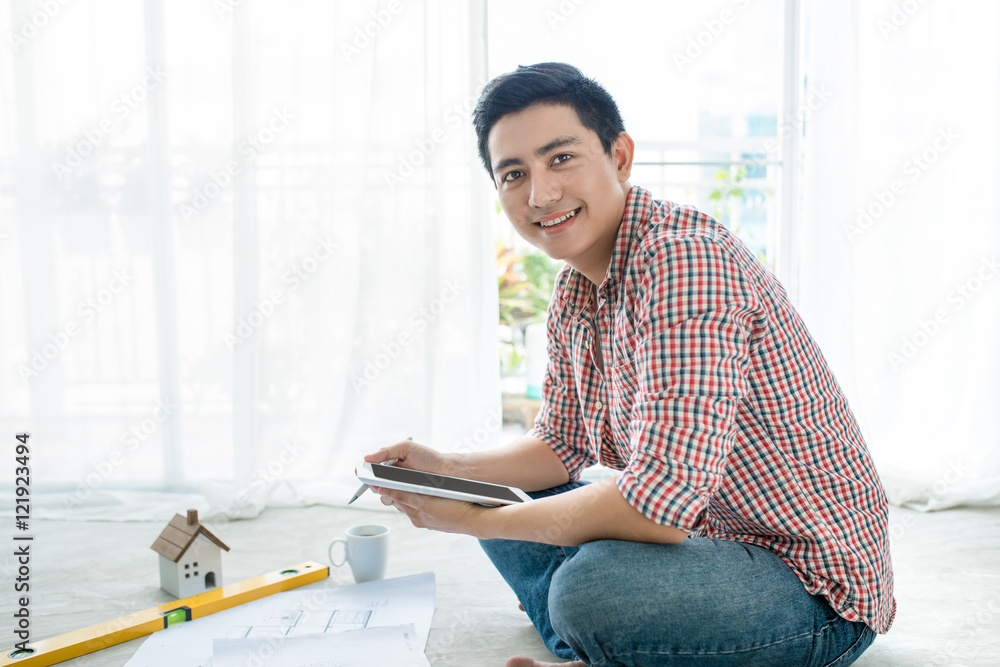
{"x":304,"y":623}
{"x":372,"y":647}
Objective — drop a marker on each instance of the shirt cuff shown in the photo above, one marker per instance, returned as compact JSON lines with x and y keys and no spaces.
{"x":652,"y":488}
{"x":570,"y":456}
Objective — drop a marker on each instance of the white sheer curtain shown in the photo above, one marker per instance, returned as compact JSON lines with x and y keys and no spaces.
{"x":901,"y":236}
{"x":242,"y":243}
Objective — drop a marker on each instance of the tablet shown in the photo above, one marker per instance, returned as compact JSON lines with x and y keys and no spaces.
{"x":442,"y":486}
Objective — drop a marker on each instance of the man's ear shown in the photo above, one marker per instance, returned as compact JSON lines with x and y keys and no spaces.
{"x":622,"y":152}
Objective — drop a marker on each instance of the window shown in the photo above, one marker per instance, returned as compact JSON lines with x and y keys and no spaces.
{"x":709,"y":93}
{"x":701,"y":87}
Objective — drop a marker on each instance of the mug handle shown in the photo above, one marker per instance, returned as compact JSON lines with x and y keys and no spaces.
{"x":329,"y":552}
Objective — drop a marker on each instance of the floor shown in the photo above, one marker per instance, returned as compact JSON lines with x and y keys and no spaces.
{"x":947,"y":569}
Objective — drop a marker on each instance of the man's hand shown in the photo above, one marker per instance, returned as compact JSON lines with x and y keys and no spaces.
{"x":595,"y":511}
{"x":592,"y":512}
{"x":409,"y":454}
{"x":449,"y":516}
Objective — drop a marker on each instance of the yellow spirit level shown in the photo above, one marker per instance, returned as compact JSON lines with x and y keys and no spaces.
{"x":141,"y":623}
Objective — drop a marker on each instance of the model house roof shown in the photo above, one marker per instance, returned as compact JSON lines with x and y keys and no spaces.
{"x":180,"y":533}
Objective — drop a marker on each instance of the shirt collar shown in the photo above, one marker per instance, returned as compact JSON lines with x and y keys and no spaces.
{"x":638,"y":207}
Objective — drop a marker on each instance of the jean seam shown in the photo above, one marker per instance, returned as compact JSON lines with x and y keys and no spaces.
{"x":726,"y":652}
{"x":756,"y":647}
{"x":851,"y":648}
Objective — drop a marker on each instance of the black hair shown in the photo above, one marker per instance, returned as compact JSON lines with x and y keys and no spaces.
{"x":550,"y":83}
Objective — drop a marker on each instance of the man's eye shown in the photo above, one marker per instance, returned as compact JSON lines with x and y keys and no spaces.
{"x":511,"y":175}
{"x":562,"y":157}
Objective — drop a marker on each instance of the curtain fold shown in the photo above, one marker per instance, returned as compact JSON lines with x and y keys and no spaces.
{"x":242,"y":245}
{"x":902,"y":233}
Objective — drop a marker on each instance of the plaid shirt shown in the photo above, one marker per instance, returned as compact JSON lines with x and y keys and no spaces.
{"x":716,"y":405}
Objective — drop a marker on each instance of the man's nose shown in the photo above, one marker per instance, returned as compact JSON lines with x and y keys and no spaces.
{"x":545,"y":190}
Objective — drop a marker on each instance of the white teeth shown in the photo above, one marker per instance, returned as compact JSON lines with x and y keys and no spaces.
{"x":556,"y":221}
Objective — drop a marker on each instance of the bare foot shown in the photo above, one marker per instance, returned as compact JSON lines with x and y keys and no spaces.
{"x":528,"y":662}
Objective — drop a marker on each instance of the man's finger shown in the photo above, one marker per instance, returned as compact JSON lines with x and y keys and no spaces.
{"x":382,"y":455}
{"x":404,"y":497}
{"x":396,"y":452}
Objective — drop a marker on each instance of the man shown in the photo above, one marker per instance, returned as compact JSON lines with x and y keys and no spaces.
{"x":747,"y":525}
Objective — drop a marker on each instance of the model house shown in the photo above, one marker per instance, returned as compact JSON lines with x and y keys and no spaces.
{"x":190,"y":556}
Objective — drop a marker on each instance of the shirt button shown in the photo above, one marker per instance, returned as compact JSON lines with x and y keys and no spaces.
{"x":599,"y":405}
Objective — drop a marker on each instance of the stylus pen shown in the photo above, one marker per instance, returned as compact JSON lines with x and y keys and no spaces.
{"x":364,"y":487}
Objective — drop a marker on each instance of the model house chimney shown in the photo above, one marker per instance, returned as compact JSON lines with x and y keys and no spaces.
{"x":192,"y":517}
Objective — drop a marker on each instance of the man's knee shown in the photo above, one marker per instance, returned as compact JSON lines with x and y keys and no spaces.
{"x":584,"y":598}
{"x":610,"y":582}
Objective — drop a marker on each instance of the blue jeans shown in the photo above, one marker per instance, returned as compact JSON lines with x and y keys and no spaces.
{"x":700,"y":602}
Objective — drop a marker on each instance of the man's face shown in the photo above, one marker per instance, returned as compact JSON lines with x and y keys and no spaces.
{"x":560,"y":190}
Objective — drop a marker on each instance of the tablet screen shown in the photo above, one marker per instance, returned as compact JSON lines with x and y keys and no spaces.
{"x":442,"y":482}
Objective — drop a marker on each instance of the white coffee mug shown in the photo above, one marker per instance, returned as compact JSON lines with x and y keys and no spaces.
{"x":366,"y":548}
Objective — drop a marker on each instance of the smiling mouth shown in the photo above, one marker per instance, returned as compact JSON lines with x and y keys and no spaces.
{"x":558,"y":221}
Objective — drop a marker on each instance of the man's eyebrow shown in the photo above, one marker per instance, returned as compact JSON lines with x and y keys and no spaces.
{"x":558,"y":142}
{"x":509,"y":162}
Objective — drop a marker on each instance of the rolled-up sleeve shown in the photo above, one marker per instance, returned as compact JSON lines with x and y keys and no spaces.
{"x":694,"y":314}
